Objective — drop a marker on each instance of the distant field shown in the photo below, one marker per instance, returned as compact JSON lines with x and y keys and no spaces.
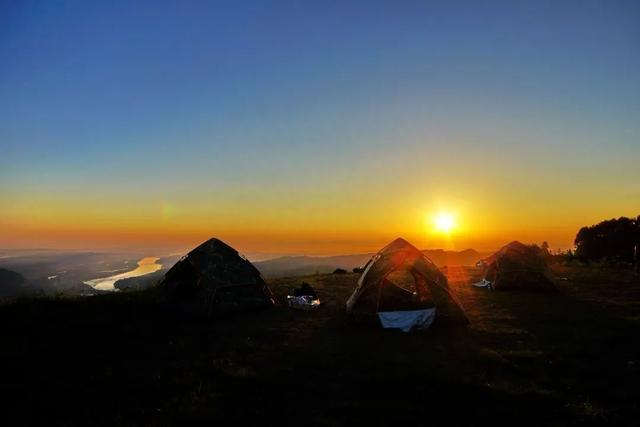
{"x":570,"y":358}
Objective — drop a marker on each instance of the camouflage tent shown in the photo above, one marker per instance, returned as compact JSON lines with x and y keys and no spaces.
{"x":213,"y":280}
{"x":400,"y":280}
{"x":517,"y":266}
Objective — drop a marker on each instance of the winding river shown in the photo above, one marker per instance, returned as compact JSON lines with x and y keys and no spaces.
{"x":145,"y":266}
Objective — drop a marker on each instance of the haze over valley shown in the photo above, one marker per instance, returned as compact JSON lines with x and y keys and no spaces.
{"x":63,"y":273}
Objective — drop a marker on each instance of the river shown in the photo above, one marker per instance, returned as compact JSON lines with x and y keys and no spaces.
{"x":145,"y":266}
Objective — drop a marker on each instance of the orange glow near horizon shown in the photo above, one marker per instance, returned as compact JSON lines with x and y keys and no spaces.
{"x":337,"y":217}
{"x":311,"y":228}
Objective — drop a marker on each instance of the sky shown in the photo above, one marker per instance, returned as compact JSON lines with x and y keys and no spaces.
{"x":315,"y":127}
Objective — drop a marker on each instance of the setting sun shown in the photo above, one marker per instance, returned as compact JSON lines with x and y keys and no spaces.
{"x":444,"y":222}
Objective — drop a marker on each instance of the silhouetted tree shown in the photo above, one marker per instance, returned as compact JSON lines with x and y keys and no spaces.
{"x":611,"y":239}
{"x":567,"y":256}
{"x":545,"y":247}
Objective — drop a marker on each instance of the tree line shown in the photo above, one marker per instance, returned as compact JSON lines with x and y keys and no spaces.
{"x":611,"y":240}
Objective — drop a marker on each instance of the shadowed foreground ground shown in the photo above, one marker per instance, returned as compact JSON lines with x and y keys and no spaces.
{"x":569,"y":358}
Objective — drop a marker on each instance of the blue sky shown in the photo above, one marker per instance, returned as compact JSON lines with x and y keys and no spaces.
{"x":152,"y":100}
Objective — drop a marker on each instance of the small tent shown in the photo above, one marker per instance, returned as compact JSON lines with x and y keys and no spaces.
{"x":517,"y":266}
{"x":402,"y":288}
{"x":214,"y":280}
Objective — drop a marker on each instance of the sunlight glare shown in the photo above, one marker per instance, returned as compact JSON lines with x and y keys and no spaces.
{"x":444,"y":222}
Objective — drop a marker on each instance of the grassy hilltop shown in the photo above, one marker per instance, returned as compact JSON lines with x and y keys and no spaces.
{"x":569,"y":358}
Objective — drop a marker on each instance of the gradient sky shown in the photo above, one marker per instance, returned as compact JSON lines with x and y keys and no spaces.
{"x":315,"y":127}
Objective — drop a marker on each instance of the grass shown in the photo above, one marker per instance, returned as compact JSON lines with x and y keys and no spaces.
{"x":569,"y":358}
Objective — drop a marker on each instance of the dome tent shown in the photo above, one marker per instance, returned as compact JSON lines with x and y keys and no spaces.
{"x":213,"y":280}
{"x":517,"y":266}
{"x":403,"y":288}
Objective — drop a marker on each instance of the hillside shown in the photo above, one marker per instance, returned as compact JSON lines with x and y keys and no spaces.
{"x":567,"y":358}
{"x":12,"y":284}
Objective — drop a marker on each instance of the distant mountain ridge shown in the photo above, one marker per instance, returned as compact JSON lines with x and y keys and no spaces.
{"x":301,"y":265}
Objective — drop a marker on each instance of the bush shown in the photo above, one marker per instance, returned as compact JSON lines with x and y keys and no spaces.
{"x":339,"y":271}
